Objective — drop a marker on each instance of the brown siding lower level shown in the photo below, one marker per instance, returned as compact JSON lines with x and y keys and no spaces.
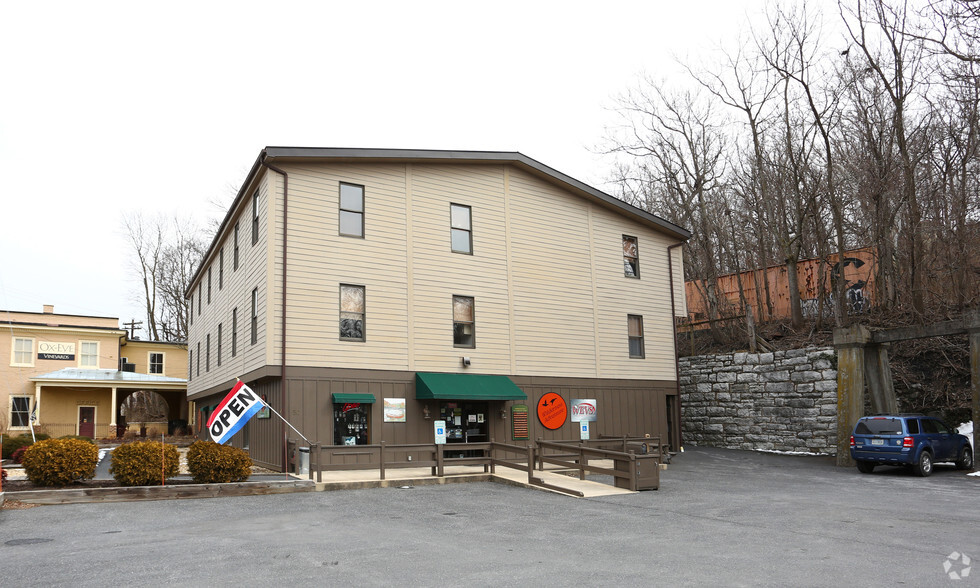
{"x":624,"y":407}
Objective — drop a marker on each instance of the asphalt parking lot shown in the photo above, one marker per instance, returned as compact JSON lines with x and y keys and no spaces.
{"x":721,"y":517}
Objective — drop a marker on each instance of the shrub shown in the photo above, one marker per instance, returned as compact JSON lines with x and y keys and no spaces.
{"x":18,"y":456}
{"x":138,"y":463}
{"x":79,"y":437}
{"x":210,"y":463}
{"x":12,"y":444}
{"x":59,"y":462}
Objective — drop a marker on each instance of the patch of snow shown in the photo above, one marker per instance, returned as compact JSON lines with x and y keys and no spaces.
{"x":793,"y":452}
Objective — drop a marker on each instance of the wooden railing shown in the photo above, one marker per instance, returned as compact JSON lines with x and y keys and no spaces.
{"x":636,"y":459}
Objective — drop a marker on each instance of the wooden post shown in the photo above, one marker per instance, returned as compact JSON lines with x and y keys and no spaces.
{"x":850,"y":344}
{"x":440,"y":466}
{"x":381,"y":452}
{"x":750,"y":327}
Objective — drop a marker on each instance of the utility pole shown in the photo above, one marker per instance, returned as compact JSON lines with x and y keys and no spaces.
{"x":132,"y":324}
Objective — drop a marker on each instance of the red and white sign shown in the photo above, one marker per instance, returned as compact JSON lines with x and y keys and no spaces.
{"x":583,"y":411}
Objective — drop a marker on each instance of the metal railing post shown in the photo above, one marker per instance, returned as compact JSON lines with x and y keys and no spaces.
{"x":581,"y":460}
{"x":530,"y":463}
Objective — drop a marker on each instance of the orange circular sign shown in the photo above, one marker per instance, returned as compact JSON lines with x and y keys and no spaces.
{"x":552,"y":410}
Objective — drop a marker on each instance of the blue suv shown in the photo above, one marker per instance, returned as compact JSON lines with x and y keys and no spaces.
{"x":914,"y":441}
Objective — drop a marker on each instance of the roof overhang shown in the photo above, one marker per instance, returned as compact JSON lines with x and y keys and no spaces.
{"x":99,"y":378}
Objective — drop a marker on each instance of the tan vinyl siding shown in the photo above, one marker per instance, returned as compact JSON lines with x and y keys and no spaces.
{"x":546,"y":274}
{"x":252,"y":273}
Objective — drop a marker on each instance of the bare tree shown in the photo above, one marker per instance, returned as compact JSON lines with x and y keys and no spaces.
{"x":167,"y":250}
{"x":146,"y":238}
{"x":882,"y":33}
{"x":676,"y":167}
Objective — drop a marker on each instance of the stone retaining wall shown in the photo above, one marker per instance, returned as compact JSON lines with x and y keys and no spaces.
{"x":781,"y":401}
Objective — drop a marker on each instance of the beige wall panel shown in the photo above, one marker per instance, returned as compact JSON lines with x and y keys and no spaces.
{"x":439,"y":273}
{"x":320,"y":259}
{"x":235,"y":292}
{"x":59,"y":408}
{"x":551,"y":269}
{"x":618,"y":296}
{"x":174,"y":359}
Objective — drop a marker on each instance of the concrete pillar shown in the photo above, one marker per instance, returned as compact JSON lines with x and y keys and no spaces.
{"x":878,"y":374}
{"x":37,"y":402}
{"x":850,"y":343}
{"x":115,"y":409}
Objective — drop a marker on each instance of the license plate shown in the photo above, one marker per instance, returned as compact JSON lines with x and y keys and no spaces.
{"x":877,"y":441}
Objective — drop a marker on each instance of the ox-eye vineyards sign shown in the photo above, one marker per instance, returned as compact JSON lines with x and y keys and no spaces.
{"x":55,"y":350}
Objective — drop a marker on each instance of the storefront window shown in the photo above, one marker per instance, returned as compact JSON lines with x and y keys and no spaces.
{"x":351,"y":424}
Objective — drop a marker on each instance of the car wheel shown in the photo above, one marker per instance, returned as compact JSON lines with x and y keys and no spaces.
{"x":923,"y":467}
{"x":965,"y":462}
{"x":865,"y":467}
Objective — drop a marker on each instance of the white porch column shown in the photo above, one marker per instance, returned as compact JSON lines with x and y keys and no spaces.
{"x":37,"y":402}
{"x":112,"y":418}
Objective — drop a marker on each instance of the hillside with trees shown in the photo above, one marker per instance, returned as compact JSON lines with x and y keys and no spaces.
{"x":817,"y":133}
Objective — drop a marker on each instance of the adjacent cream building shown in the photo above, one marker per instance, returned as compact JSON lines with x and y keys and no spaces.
{"x":445,"y":285}
{"x":72,"y":373}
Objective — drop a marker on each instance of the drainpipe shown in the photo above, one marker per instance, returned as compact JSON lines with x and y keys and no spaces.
{"x":673,"y":325}
{"x":282,"y":375}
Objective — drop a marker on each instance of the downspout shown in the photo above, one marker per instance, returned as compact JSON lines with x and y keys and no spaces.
{"x":673,"y":326}
{"x":282,"y":375}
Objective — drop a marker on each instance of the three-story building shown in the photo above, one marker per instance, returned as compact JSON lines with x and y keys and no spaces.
{"x":366,"y":293}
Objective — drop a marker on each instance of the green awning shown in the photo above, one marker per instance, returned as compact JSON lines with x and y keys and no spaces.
{"x":430,"y":386}
{"x":353,"y":398}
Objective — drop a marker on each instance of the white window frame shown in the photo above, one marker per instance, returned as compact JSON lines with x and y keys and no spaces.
{"x":10,"y":411}
{"x":81,"y":355}
{"x":149,"y":361}
{"x":13,"y":352}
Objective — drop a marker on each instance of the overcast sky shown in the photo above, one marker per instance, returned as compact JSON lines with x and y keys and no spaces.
{"x":162,"y":107}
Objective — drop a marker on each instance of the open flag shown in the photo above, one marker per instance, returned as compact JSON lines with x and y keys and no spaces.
{"x":233,"y":412}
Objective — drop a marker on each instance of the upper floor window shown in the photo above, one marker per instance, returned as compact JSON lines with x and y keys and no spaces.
{"x":631,"y":257}
{"x":190,"y":364}
{"x":235,"y":256}
{"x":199,"y":358}
{"x":156,"y":363}
{"x":218,"y":357}
{"x":190,"y":307}
{"x":221,"y":268}
{"x":255,"y":316}
{"x":255,"y":217}
{"x":635,"y":328}
{"x":234,"y":331}
{"x":207,"y":353}
{"x":20,"y":411}
{"x":23,"y":352}
{"x":351,"y":210}
{"x":461,"y":228}
{"x":464,"y":325}
{"x":352,"y":312}
{"x":199,"y":305}
{"x":209,"y":285}
{"x":89,"y":356}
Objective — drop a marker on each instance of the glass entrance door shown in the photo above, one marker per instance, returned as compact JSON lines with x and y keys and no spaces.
{"x":466,"y":422}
